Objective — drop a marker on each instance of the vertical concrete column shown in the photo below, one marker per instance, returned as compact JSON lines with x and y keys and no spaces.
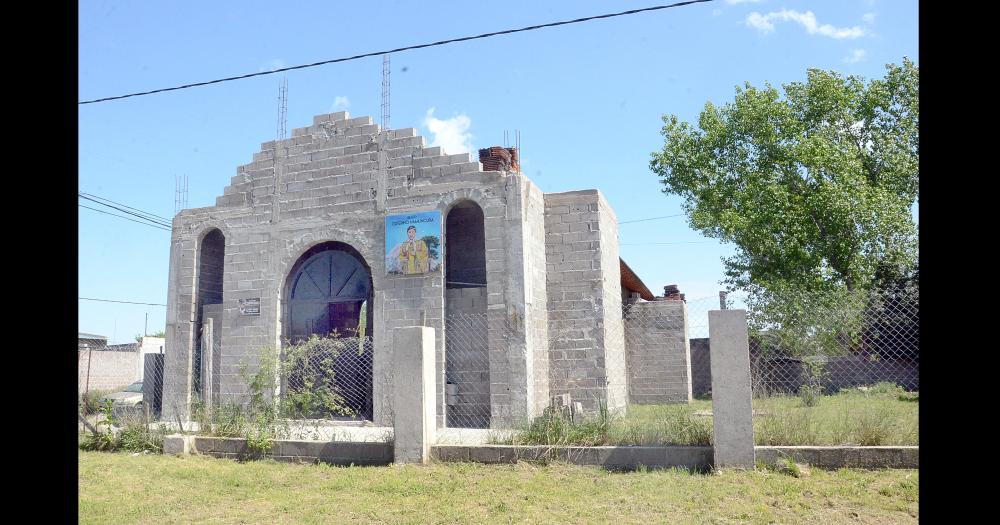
{"x":413,"y":393}
{"x":207,"y":358}
{"x":732,"y":410}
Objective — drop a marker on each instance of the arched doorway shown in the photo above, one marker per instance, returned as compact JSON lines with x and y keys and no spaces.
{"x":467,"y":364}
{"x":329,"y":295}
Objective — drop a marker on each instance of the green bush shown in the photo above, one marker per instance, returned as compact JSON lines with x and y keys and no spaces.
{"x":90,"y":402}
{"x":312,"y":391}
{"x":133,"y":435}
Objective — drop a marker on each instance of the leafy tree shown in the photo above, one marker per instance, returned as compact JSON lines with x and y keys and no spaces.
{"x":814,"y":188}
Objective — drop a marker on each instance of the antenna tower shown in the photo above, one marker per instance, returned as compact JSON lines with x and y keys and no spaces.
{"x":385,"y":92}
{"x":282,"y":108}
{"x":180,"y":193}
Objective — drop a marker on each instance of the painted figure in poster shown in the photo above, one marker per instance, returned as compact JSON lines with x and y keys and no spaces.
{"x":413,"y":253}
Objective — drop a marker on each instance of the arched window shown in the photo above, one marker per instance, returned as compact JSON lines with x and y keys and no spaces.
{"x":211,"y":258}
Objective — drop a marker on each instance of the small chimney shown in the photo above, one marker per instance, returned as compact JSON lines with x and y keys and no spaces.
{"x":497,"y":158}
{"x":672,"y":293}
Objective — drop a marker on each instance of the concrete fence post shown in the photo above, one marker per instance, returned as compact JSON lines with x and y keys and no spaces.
{"x":413,"y":394}
{"x":732,"y":408}
{"x":207,"y":357}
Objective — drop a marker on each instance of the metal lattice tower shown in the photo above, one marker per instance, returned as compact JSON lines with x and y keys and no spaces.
{"x":282,"y":108}
{"x":385,"y":92}
{"x":180,"y":193}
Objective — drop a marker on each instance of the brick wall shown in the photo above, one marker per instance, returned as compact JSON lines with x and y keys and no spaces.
{"x":659,"y":364}
{"x":701,"y":367}
{"x":586,"y":346}
{"x":108,"y":370}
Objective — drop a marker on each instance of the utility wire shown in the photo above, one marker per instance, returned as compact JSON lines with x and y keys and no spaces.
{"x":653,"y":218}
{"x":124,"y":217}
{"x":114,"y":301}
{"x":154,"y":221}
{"x":398,"y":49}
{"x":120,"y":204}
{"x":650,"y":243}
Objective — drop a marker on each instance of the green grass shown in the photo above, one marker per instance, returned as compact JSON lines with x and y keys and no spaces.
{"x":120,"y":488}
{"x":882,"y":415}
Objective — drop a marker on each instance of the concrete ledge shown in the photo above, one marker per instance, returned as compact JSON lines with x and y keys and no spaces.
{"x":178,"y":444}
{"x":839,"y":457}
{"x":690,"y":457}
{"x":615,"y":458}
{"x":335,"y":453}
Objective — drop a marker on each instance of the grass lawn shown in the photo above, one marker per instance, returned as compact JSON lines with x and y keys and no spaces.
{"x":121,"y":488}
{"x":879,"y":416}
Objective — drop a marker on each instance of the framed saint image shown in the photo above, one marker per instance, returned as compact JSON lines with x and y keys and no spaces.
{"x":413,"y":243}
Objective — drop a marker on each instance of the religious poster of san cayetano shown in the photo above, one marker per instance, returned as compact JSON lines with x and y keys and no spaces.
{"x":413,"y":243}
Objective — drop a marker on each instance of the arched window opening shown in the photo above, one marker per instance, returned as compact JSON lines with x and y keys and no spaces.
{"x":208,"y":305}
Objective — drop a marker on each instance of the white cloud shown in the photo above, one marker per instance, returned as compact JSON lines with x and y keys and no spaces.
{"x":734,"y":2}
{"x":869,"y":18}
{"x":451,"y":134}
{"x":271,"y":65}
{"x":807,"y":20}
{"x":340,"y":103}
{"x":856,"y":56}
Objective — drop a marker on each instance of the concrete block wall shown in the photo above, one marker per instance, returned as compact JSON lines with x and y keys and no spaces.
{"x":536,"y":296}
{"x":659,"y":362}
{"x":615,"y":360}
{"x":586,"y":338}
{"x":701,"y":367}
{"x":335,"y":181}
{"x":108,"y":370}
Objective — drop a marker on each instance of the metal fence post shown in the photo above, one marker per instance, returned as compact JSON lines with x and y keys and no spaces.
{"x":207,"y":356}
{"x":86,"y":388}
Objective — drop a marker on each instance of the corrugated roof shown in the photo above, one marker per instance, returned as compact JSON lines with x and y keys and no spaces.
{"x":632,"y":282}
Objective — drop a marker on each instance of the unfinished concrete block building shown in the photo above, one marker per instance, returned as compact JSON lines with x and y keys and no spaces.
{"x":298,"y":244}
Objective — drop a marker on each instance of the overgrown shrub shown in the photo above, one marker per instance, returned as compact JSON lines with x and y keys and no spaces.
{"x":814,"y":374}
{"x":309,"y":372}
{"x":90,"y":402}
{"x":130,"y":433}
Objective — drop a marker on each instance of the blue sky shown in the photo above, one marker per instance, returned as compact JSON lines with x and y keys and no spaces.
{"x":586,"y":98}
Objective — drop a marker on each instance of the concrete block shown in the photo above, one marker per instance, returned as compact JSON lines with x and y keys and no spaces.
{"x":177,"y":444}
{"x":414,"y":419}
{"x":731,"y":396}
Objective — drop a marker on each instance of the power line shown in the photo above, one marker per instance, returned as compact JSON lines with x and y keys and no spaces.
{"x":141,"y":216}
{"x":125,"y":205}
{"x":397,"y":50}
{"x":114,"y":301}
{"x":653,"y":218}
{"x":124,"y":217}
{"x":651,"y":243}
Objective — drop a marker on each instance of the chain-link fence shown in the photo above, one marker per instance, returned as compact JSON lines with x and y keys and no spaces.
{"x":119,"y":394}
{"x":829,"y":369}
{"x":467,"y":368}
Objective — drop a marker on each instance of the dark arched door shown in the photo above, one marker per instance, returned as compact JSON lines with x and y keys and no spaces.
{"x":329,"y":295}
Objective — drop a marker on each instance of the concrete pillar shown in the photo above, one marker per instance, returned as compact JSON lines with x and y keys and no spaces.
{"x":413,"y":393}
{"x":207,"y":359}
{"x":732,"y":410}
